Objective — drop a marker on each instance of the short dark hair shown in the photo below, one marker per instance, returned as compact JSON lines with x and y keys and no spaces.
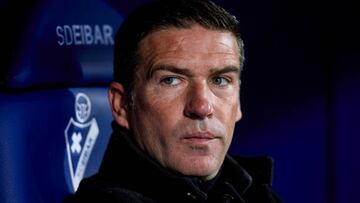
{"x":161,"y":14}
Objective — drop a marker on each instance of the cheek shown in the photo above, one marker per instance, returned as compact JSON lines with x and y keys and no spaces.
{"x":229,"y":108}
{"x":158,"y":109}
{"x":155,"y":118}
{"x":228,"y":114}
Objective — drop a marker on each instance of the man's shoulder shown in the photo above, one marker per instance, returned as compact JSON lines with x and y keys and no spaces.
{"x":95,"y":189}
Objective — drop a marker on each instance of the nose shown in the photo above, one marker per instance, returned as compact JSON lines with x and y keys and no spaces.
{"x":198,"y":102}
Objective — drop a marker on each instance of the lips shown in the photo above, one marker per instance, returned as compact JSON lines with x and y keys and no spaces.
{"x":200,"y":136}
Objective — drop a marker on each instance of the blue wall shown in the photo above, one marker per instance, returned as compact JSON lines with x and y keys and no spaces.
{"x":300,"y":91}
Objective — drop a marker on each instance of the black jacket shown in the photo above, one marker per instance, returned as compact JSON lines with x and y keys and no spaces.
{"x":127,"y":175}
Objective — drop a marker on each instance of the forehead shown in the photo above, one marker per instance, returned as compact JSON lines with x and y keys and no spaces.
{"x":194,"y":43}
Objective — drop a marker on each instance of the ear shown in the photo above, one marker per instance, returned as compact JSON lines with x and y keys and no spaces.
{"x":238,"y":113}
{"x":238,"y":109}
{"x":118,"y":103}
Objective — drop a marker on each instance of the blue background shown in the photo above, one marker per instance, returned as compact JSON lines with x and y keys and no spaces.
{"x":300,"y":92}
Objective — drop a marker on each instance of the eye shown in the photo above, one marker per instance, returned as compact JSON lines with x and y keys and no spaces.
{"x":172,"y":81}
{"x":220,"y":81}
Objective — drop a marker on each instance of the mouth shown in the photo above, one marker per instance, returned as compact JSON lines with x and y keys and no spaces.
{"x":200,"y":137}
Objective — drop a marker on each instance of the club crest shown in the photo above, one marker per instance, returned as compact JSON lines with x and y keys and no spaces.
{"x":80,"y":136}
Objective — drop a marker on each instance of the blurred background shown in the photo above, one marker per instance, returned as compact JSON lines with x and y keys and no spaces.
{"x":300,"y":89}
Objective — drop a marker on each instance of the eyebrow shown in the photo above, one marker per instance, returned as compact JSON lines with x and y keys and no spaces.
{"x":227,"y":69}
{"x":170,"y":68}
{"x":187,"y":72}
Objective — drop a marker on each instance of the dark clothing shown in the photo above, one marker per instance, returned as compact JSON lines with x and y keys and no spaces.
{"x":127,"y":175}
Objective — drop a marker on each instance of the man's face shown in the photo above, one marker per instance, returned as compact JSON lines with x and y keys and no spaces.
{"x":186,"y":98}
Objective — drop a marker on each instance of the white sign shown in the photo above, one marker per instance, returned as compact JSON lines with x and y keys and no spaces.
{"x":80,"y":137}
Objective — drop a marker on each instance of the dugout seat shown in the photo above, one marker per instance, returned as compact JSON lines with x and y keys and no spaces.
{"x":55,"y":120}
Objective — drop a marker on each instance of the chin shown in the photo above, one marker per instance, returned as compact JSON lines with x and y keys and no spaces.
{"x":200,"y":168}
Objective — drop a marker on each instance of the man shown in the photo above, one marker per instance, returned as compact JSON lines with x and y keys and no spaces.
{"x":175,"y":102}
